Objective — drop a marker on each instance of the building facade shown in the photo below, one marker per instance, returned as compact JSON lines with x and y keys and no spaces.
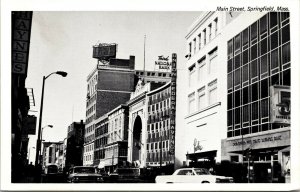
{"x":245,"y":120}
{"x":158,"y":127}
{"x":109,"y":85}
{"x":200,"y":133}
{"x":117,"y":138}
{"x":258,"y":94}
{"x":74,"y":148}
{"x":101,"y":138}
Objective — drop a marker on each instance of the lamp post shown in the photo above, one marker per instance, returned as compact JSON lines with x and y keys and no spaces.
{"x":51,"y":126}
{"x":38,"y":142}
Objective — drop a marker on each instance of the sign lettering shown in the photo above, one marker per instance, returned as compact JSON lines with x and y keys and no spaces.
{"x":173,"y":103}
{"x":21,"y":28}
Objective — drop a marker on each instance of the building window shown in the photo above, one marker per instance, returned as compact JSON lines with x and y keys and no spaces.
{"x":216,"y":26}
{"x":191,"y":103}
{"x":201,"y":73}
{"x":209,"y":32}
{"x":201,"y":98}
{"x":195,"y":45}
{"x":204,"y":36}
{"x":212,"y":61}
{"x":192,"y":75}
{"x":212,"y":95}
{"x":199,"y":41}
{"x":190,"y":48}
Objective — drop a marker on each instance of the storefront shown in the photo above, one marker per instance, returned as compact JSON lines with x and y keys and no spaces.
{"x":266,"y":155}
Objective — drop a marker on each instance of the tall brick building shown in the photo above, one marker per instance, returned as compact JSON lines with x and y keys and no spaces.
{"x":108,"y":86}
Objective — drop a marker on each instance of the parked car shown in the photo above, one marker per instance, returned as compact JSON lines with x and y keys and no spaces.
{"x":84,"y":174}
{"x":126,"y":175}
{"x":51,"y":169}
{"x":192,"y":175}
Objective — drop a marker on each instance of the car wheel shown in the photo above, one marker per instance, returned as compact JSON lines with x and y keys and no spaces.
{"x":205,"y":182}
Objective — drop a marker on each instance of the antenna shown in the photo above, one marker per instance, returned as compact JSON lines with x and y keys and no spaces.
{"x":144,"y":56}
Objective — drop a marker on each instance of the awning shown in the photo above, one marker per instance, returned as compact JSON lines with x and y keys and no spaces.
{"x":202,"y":155}
{"x":101,"y":165}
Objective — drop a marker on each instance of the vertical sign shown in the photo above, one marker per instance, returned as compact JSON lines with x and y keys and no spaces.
{"x":173,"y":104}
{"x":21,"y":28}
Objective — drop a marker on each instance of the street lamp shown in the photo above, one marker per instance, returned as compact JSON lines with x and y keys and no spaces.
{"x":38,"y":142}
{"x":50,"y":126}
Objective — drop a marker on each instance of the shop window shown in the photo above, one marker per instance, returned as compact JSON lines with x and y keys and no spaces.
{"x":286,"y":57}
{"x":274,"y":40}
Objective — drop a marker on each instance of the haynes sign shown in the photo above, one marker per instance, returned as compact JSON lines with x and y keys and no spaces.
{"x":163,"y":64}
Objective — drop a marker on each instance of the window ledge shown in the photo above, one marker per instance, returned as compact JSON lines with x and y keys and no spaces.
{"x":202,"y":110}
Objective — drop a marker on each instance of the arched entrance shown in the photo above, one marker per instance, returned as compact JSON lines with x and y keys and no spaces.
{"x":136,"y":139}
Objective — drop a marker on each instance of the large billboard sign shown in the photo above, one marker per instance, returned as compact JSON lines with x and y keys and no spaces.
{"x":163,"y":64}
{"x":21,"y":29}
{"x":173,"y":104}
{"x":280,"y":104}
{"x":105,"y":51}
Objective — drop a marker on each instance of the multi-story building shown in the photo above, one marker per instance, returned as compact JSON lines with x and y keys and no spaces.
{"x":52,"y":152}
{"x":245,"y":120}
{"x":258,"y":94}
{"x":117,"y":135}
{"x":74,"y":148}
{"x":158,"y":127}
{"x":101,"y":138}
{"x":153,"y":76}
{"x":109,"y":85}
{"x":201,"y":123}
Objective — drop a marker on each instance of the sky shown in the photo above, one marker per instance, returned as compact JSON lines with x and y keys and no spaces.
{"x":62,"y":41}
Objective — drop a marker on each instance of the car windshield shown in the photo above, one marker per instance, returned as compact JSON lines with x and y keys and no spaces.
{"x":84,"y":170}
{"x":202,"y":172}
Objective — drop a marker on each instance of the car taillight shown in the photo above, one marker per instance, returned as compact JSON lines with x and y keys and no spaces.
{"x":231,"y":180}
{"x":218,"y":180}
